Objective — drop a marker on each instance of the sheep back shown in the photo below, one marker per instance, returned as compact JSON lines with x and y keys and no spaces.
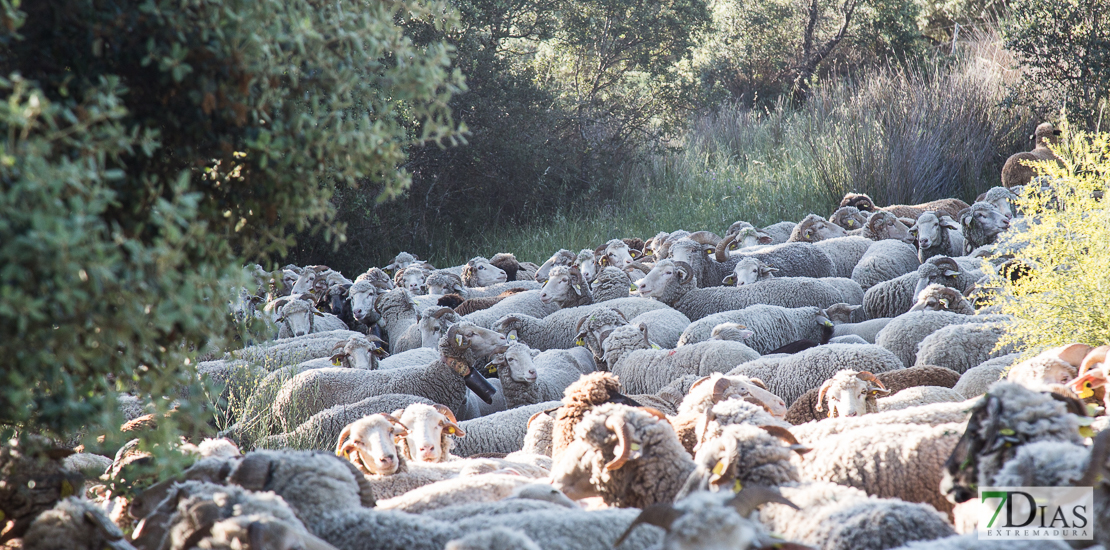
{"x":790,"y":376}
{"x":774,"y":326}
{"x":885,"y":260}
{"x":961,"y":347}
{"x":501,"y":432}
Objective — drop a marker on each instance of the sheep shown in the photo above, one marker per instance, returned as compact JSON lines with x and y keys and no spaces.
{"x":749,"y":271}
{"x":864,"y":203}
{"x":593,"y":328}
{"x":440,"y":283}
{"x":514,"y":269}
{"x":479,"y":272}
{"x":609,"y":284}
{"x":501,"y":432}
{"x":709,"y":390}
{"x":397,"y":314}
{"x":841,"y":314}
{"x":498,"y":538}
{"x":807,"y":343}
{"x":629,"y":355}
{"x":666,"y":325}
{"x":298,"y":318}
{"x":746,"y":235}
{"x":981,"y":223}
{"x":34,"y":479}
{"x":791,"y":259}
{"x":1005,"y":418}
{"x":977,"y":380}
{"x":790,"y":376}
{"x":1093,"y":375}
{"x":773,"y":326}
{"x":903,"y":334}
{"x":673,"y":283}
{"x":470,"y":305}
{"x":849,"y":217}
{"x":883,"y":226}
{"x":629,"y":457}
{"x":851,"y":393}
{"x":942,"y":298}
{"x":464,"y":489}
{"x":522,"y":303}
{"x":845,"y":253}
{"x":963,"y":346}
{"x":889,"y":460}
{"x":322,"y":429}
{"x":1042,"y":370}
{"x":615,"y":253}
{"x":919,"y":395}
{"x":431,"y":430}
{"x":805,"y":408}
{"x":74,"y":524}
{"x":433,"y":322}
{"x":780,"y":232}
{"x":710,"y":520}
{"x":527,"y":379}
{"x":411,"y":279}
{"x":731,"y":331}
{"x":1002,"y":199}
{"x":562,"y":257}
{"x":824,"y":514}
{"x":883,"y":261}
{"x":937,"y":236}
{"x":578,"y":400}
{"x":566,"y":287}
{"x":410,"y":358}
{"x":814,"y":228}
{"x":1016,"y":171}
{"x":896,"y":296}
{"x":442,"y":381}
{"x":558,"y":330}
{"x":711,"y":423}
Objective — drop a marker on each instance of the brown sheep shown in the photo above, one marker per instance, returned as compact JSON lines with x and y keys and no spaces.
{"x":579,"y":399}
{"x":1014,"y":172}
{"x":946,"y":207}
{"x":514,"y":270}
{"x":805,"y":408}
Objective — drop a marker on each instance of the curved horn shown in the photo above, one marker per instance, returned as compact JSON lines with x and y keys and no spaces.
{"x":788,"y":437}
{"x":639,"y":266}
{"x":442,"y":409}
{"x":343,"y":439}
{"x":578,"y":327}
{"x":821,"y":396}
{"x":704,"y":237}
{"x":719,"y":388}
{"x":623,"y":451}
{"x":684,"y":270}
{"x":868,"y":377}
{"x":459,"y":341}
{"x":654,"y":412}
{"x":721,"y":253}
{"x":1087,"y":356}
{"x":441,"y":312}
{"x":1094,"y":357}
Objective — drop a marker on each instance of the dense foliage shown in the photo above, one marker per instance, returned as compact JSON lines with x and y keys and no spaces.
{"x":1066,"y":244}
{"x":151,"y":145}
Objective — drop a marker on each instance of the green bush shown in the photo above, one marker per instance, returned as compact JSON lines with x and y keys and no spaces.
{"x":150,"y":146}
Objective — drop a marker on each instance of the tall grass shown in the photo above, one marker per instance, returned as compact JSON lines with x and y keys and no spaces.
{"x":900,"y":135}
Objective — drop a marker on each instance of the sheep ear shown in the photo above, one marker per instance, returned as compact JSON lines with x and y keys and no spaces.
{"x":661,"y":515}
{"x":759,"y":383}
{"x":768,"y":270}
{"x":949,"y":223}
{"x":729,"y":280}
{"x":908,"y":221}
{"x":636,"y":254}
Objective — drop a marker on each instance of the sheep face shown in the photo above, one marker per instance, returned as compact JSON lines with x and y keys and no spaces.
{"x":748,"y":271}
{"x":517,"y":360}
{"x":289,"y":278}
{"x":653,"y":244}
{"x":482,"y":342}
{"x":744,"y":235}
{"x":401,"y":261}
{"x":594,"y":328}
{"x":849,"y":217}
{"x":665,"y":272}
{"x":362,"y":295}
{"x":840,"y":313}
{"x":942,"y":298}
{"x":851,"y":393}
{"x":440,"y":283}
{"x":564,"y":284}
{"x":731,"y":331}
{"x":587,"y":264}
{"x":304,"y":282}
{"x":433,"y":323}
{"x":814,"y":228}
{"x":939,"y":270}
{"x":428,"y":428}
{"x":616,"y":254}
{"x":412,"y":279}
{"x":562,"y":257}
{"x":884,"y":225}
{"x":368,"y":443}
{"x":928,"y":229}
{"x":358,"y":352}
{"x":478,"y":272}
{"x":981,"y":224}
{"x":298,"y":317}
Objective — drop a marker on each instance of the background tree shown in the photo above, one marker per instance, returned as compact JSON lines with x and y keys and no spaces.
{"x":151,"y":146}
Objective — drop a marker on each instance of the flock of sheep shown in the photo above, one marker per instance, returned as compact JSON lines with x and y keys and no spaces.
{"x":832,"y":384}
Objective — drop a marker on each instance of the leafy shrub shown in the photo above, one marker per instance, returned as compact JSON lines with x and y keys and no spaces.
{"x":149,"y":146}
{"x":1065,"y":238}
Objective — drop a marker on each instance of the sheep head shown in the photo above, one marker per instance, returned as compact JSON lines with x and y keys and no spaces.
{"x":745,"y":455}
{"x":400,"y":261}
{"x":748,"y":271}
{"x":1045,"y":134}
{"x":710,"y":390}
{"x":667,"y":281}
{"x":587,"y":264}
{"x":851,"y":393}
{"x":429,"y":428}
{"x":884,"y":225}
{"x":515,"y":364}
{"x":939,"y":270}
{"x":860,"y":201}
{"x":479,"y":272}
{"x":731,"y":331}
{"x":1094,"y":372}
{"x":592,"y":330}
{"x":1002,"y":199}
{"x":936,"y":297}
{"x":369,"y":444}
{"x":469,"y":340}
{"x":981,"y":223}
{"x":814,"y":228}
{"x":298,"y":315}
{"x":562,"y":257}
{"x":440,"y":283}
{"x":928,"y":227}
{"x":359,"y":352}
{"x":622,"y":341}
{"x":849,"y":217}
{"x":840,"y":313}
{"x":615,"y":253}
{"x":565,"y":286}
{"x":507,"y":262}
{"x":433,"y":322}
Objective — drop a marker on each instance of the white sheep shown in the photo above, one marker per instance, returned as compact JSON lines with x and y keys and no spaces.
{"x":883,"y":261}
{"x":773,"y":326}
{"x":529,"y":376}
{"x":792,"y":375}
{"x":629,"y":354}
{"x":851,"y":393}
{"x":937,"y":236}
{"x":903,"y":334}
{"x":431,"y":432}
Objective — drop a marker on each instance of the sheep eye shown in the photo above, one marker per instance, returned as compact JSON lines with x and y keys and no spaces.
{"x":481,"y":267}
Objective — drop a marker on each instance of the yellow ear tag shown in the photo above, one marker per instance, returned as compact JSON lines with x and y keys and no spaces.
{"x":335,"y":361}
{"x":737,"y":487}
{"x":579,"y":342}
{"x":655,"y":346}
{"x":709,"y":251}
{"x":1086,"y":431}
{"x":1006,"y":431}
{"x":633,"y":288}
{"x":67,"y":488}
{"x":719,"y":468}
{"x":635,"y":446}
{"x":512,"y":337}
{"x":451,"y":430}
{"x":458,"y":339}
{"x":342,"y":453}
{"x":851,"y":223}
{"x":578,"y":288}
{"x":1086,"y":391}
